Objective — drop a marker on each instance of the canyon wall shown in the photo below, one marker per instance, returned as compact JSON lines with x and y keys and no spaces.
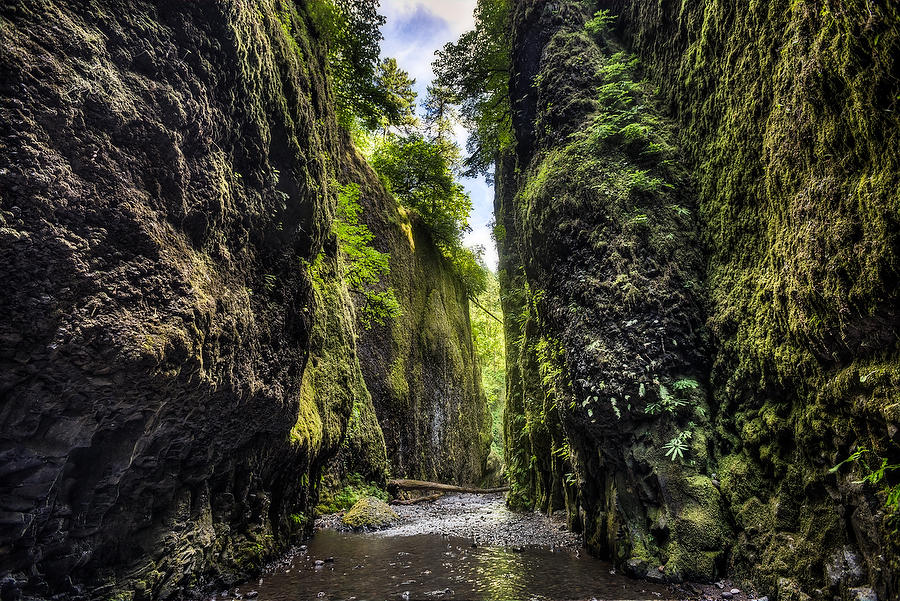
{"x":698,"y":230}
{"x":178,"y":348}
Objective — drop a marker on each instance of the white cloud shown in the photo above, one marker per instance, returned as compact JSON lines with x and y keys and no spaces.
{"x":457,"y":13}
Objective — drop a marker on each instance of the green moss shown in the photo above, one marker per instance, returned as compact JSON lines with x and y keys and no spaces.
{"x":791,"y":142}
{"x":397,"y":378}
{"x":355,"y":488}
{"x":370,"y":513}
{"x":307,"y":431}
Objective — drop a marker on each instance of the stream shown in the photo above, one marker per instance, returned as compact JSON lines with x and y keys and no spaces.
{"x":459,"y":547}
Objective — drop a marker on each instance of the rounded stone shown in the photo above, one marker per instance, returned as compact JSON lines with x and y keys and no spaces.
{"x":370,"y":513}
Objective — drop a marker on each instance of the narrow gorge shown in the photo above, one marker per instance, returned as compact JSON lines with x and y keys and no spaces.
{"x":239,"y":296}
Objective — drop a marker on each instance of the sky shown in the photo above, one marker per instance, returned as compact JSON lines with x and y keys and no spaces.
{"x":414,"y":30}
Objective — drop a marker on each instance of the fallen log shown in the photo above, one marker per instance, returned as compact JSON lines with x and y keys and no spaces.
{"x":416,"y":500}
{"x":395,"y":485}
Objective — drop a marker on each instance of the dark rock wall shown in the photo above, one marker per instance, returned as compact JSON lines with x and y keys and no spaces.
{"x":174,"y":372}
{"x":162,"y":177}
{"x":761,"y":264}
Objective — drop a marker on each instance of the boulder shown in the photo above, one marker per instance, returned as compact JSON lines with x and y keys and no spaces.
{"x":370,"y":513}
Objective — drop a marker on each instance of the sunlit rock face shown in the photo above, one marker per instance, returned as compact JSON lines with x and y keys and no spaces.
{"x":699,"y":268}
{"x":174,"y":375}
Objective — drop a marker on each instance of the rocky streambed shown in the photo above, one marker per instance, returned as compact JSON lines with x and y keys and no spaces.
{"x":458,"y":547}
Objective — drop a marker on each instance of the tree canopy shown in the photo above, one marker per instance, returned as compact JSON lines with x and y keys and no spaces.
{"x":419,"y":174}
{"x":371,"y":91}
{"x":475,"y":72}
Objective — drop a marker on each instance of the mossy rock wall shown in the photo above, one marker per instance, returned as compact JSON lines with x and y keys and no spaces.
{"x":420,"y":368}
{"x":775,"y":132}
{"x":794,"y":141}
{"x":173,"y":372}
{"x":601,"y":272}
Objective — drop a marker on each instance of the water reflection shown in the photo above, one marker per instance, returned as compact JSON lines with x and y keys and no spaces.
{"x":437,"y":567}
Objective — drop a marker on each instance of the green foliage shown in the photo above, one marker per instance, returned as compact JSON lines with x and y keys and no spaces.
{"x":676,"y":447}
{"x":667,"y":401}
{"x":490,"y":349}
{"x":440,"y":113}
{"x":601,"y":23}
{"x":420,"y":172}
{"x":476,"y":69}
{"x":367,"y":91}
{"x":364,"y":265}
{"x":875,"y":475}
{"x":624,"y":121}
{"x":346,"y":497}
{"x":401,"y":97}
{"x":468,"y":266}
{"x":686,"y":384}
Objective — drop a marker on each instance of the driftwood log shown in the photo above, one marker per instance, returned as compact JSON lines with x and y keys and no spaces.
{"x":416,"y":500}
{"x":394,"y":486}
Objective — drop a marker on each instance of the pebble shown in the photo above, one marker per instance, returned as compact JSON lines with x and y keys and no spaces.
{"x":735,"y":591}
{"x":727,"y":595}
{"x":319,"y":563}
{"x":483,"y":518}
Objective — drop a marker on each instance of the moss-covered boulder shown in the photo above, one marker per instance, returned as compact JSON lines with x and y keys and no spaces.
{"x":370,"y":513}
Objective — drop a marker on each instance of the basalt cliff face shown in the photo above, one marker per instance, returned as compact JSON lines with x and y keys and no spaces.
{"x":174,"y":372}
{"x":698,"y":229}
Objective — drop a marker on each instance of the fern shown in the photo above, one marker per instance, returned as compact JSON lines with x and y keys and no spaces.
{"x":686,"y":384}
{"x":676,"y":447}
{"x":364,"y":265}
{"x":875,"y":476}
{"x":601,"y":22}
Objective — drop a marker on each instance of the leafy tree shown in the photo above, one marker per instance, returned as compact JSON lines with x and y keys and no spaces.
{"x":419,"y":174}
{"x":366,"y":89}
{"x":440,"y":113}
{"x":476,"y":70}
{"x":469,"y":267}
{"x":351,"y":30}
{"x":490,"y":348}
{"x":401,"y":97}
{"x":365,"y":266}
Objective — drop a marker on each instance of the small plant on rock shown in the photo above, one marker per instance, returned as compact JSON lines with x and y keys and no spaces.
{"x":676,"y":447}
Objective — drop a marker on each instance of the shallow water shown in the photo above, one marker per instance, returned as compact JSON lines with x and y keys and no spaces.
{"x":432,"y":566}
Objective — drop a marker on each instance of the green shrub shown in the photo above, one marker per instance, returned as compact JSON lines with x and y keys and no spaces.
{"x":364,"y":265}
{"x":346,"y":497}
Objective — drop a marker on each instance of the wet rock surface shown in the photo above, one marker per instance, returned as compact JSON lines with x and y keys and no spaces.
{"x":486,"y":521}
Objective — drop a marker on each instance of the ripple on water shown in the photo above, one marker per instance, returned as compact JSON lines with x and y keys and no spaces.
{"x":430,"y":566}
{"x":462,"y":547}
